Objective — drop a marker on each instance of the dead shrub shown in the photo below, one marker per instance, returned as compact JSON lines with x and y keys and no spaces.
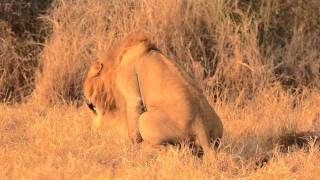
{"x":16,"y":71}
{"x":21,"y":35}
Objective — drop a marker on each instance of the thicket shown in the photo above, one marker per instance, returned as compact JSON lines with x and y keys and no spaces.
{"x":234,"y":47}
{"x":22,"y":34}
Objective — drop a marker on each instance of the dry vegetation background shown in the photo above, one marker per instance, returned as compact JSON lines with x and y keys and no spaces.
{"x":258,"y":61}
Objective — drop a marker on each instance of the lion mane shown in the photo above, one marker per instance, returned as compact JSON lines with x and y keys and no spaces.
{"x":161,"y":102}
{"x":100,"y":82}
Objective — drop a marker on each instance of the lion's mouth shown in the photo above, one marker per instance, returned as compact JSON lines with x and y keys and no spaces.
{"x":91,"y":106}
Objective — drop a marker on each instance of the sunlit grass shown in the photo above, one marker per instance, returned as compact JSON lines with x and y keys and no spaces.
{"x":59,"y":143}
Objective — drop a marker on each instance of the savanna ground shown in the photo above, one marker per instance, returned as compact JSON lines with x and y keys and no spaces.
{"x":258,"y":62}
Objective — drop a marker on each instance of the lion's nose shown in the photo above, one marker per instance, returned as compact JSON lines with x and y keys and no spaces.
{"x":92,"y":107}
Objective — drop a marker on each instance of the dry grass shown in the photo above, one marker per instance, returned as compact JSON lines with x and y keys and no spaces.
{"x":257,"y":61}
{"x":236,"y":51}
{"x":59,"y":143}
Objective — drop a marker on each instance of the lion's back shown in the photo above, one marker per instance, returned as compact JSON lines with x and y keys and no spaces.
{"x":163,"y":85}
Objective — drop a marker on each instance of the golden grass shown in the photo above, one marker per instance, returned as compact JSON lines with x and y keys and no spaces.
{"x":59,"y":143}
{"x":258,"y":68}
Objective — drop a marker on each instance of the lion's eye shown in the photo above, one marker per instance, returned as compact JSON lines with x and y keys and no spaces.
{"x":92,"y":107}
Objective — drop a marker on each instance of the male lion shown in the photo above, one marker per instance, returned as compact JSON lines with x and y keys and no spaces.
{"x":162,"y":103}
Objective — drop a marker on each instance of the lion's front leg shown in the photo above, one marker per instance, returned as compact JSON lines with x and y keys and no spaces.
{"x":128,"y":85}
{"x":133,"y":114}
{"x":135,"y":136}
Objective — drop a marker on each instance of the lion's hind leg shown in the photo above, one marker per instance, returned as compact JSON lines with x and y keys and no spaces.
{"x":157,"y":130}
{"x":202,"y":137}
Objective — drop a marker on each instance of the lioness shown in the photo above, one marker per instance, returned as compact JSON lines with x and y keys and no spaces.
{"x":162,"y":103}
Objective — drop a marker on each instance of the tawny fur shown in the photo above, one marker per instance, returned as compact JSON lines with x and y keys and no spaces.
{"x":163,"y":104}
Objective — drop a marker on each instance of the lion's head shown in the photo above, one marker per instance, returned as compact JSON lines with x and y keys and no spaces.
{"x":98,"y":89}
{"x":99,"y":85}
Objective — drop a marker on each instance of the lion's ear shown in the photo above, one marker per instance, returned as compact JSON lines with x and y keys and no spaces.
{"x":95,"y":69}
